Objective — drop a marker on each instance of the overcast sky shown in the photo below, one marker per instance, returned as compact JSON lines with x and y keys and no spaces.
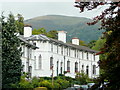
{"x":33,"y":8}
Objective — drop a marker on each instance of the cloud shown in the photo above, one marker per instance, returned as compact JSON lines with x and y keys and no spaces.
{"x":37,"y":0}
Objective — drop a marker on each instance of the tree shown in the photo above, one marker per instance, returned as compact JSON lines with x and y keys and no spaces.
{"x":99,"y":44}
{"x":91,"y":43}
{"x":82,"y":78}
{"x":111,"y":64}
{"x":11,"y":51}
{"x":82,"y":43}
{"x":39,"y":31}
{"x":110,"y":21}
{"x":50,"y":34}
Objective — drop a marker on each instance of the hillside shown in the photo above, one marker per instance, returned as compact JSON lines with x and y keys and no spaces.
{"x":75,"y":26}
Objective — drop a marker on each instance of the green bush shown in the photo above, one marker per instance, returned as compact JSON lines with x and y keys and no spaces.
{"x":40,"y":88}
{"x":63,"y":83}
{"x":59,"y":83}
{"x":35,"y":81}
{"x":82,"y":78}
{"x":46,"y":83}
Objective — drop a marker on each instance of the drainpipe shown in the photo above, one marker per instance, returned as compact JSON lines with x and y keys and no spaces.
{"x":28,"y":61}
{"x":91,"y":68}
{"x":79,"y":65}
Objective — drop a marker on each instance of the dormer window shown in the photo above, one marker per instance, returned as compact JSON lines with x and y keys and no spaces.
{"x":34,"y":43}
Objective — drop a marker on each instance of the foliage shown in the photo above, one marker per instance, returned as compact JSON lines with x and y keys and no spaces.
{"x":81,"y":78}
{"x":20,"y":24}
{"x":91,"y":43}
{"x":62,"y":83}
{"x":35,"y":81}
{"x":51,"y":34}
{"x":11,"y":53}
{"x":110,"y":22}
{"x":59,"y":83}
{"x":82,"y":43}
{"x":46,"y":83}
{"x":111,"y":64}
{"x":41,"y":88}
{"x":25,"y":84}
{"x":99,"y":44}
{"x":39,"y":31}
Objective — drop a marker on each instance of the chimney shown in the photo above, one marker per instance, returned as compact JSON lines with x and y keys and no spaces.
{"x":75,"y":41}
{"x":27,"y":30}
{"x":62,"y":36}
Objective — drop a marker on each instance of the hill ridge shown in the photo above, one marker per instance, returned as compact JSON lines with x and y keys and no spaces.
{"x":75,"y":26}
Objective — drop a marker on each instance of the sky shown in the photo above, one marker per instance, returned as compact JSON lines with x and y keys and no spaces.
{"x":33,"y":8}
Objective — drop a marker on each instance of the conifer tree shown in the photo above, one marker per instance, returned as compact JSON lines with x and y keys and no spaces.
{"x":11,"y":51}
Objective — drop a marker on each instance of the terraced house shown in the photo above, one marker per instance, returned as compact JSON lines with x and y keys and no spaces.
{"x":54,"y":57}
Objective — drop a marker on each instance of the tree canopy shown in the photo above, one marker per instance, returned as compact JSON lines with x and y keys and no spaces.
{"x":51,"y":34}
{"x":11,"y":51}
{"x":110,"y":21}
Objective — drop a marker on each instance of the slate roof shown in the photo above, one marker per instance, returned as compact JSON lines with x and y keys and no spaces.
{"x":26,"y":42}
{"x":45,"y":38}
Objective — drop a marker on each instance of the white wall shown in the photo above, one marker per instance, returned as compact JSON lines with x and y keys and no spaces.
{"x":45,"y":51}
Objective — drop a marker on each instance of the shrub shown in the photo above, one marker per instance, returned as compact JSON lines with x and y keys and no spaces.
{"x":82,"y":78}
{"x":46,"y":83}
{"x":63,"y":83}
{"x":41,"y":88}
{"x":35,"y":82}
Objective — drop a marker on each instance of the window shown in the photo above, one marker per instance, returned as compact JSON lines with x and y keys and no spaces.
{"x":40,"y":62}
{"x":75,"y":52}
{"x":51,"y":62}
{"x":30,"y":71}
{"x":57,"y":50}
{"x":87,"y":70}
{"x":82,"y":68}
{"x":76,"y":67}
{"x":57,"y":67}
{"x":87,"y":56}
{"x":35,"y":62}
{"x":61,"y":64}
{"x":68,"y":66}
{"x":34,"y":43}
{"x":82,"y":55}
{"x":30,"y":53}
{"x":94,"y":69}
{"x":51,"y":47}
{"x":67,"y":51}
{"x":62,"y":50}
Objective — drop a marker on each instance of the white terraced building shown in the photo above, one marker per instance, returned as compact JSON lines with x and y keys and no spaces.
{"x":56,"y":55}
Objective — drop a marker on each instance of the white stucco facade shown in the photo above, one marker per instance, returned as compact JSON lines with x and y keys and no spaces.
{"x":61,"y":56}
